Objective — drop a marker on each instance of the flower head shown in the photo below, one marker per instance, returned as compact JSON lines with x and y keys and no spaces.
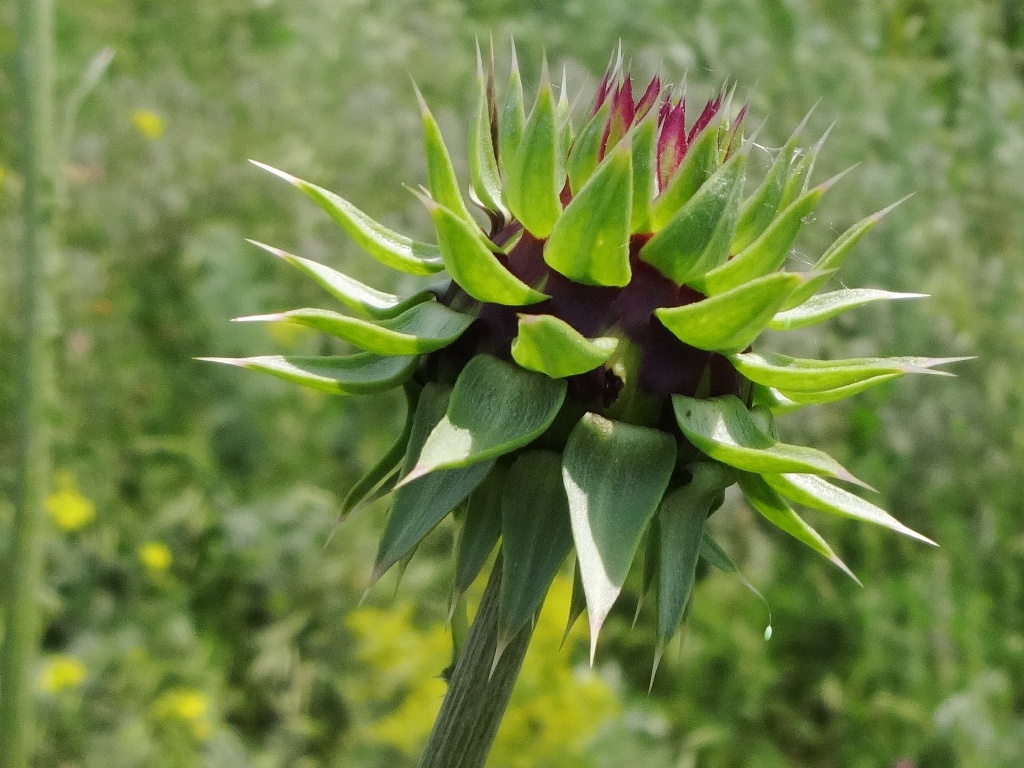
{"x":187,"y":706}
{"x":148,"y":123}
{"x":68,"y":508}
{"x":155,"y":556}
{"x":585,"y":374}
{"x":62,"y":673}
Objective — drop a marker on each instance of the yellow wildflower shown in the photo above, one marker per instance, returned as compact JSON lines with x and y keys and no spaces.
{"x":156,"y":556}
{"x":61,"y":673}
{"x":555,"y":710}
{"x":148,"y":123}
{"x":182,"y":703}
{"x":406,"y":728}
{"x":185,"y":705}
{"x":68,"y":508}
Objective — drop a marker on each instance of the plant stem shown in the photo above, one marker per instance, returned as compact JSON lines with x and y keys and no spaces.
{"x":476,"y":698}
{"x":21,"y":617}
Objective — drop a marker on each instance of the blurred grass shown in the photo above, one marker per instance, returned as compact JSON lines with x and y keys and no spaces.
{"x":240,"y":478}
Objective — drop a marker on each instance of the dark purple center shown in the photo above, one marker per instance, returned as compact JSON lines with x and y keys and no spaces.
{"x":667,"y":365}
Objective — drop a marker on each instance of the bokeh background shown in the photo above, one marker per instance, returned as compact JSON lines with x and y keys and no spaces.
{"x":198,"y":611}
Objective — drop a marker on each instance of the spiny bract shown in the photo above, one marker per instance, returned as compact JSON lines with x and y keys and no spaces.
{"x":585,"y":376}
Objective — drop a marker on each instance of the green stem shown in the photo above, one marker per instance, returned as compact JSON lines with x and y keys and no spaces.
{"x":476,"y":698}
{"x":21,"y":616}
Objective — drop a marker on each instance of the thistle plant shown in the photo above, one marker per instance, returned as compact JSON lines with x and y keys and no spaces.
{"x":583,"y":378}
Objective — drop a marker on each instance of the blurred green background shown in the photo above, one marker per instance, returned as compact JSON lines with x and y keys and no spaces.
{"x":196,"y":613}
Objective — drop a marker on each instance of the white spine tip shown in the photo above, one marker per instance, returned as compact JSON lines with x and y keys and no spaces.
{"x":294,"y":180}
{"x":270,"y":318}
{"x":268,"y":248}
{"x":237,"y":362}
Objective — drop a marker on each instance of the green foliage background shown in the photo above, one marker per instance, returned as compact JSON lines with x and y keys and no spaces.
{"x":240,"y":653}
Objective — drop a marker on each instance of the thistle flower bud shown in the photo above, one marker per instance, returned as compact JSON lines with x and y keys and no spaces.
{"x":587,"y":369}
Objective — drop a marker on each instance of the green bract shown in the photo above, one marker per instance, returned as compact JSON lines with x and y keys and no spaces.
{"x":584,"y":378}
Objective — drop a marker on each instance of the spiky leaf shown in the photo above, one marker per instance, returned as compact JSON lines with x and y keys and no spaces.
{"x":532,"y":190}
{"x":773,"y":399}
{"x":577,"y":601}
{"x":800,"y":399}
{"x":712,"y":552}
{"x":422,"y":328}
{"x":817,"y":493}
{"x":645,"y":143}
{"x":590,"y":241}
{"x":551,"y":346}
{"x":513,"y":118}
{"x":835,"y":255}
{"x":768,"y":252}
{"x":472,"y":265}
{"x":586,"y":150}
{"x":760,"y":208}
{"x":800,"y":176}
{"x":386,"y":246}
{"x":441,"y":179}
{"x":361,"y":299}
{"x":795,"y":374}
{"x":358,"y":374}
{"x":817,"y":309}
{"x":651,"y":564}
{"x":615,"y":475}
{"x":563,"y":116}
{"x":724,"y":429}
{"x":484,"y":178}
{"x":377,"y":474}
{"x":495,"y":408}
{"x":681,"y":515}
{"x":480,"y":530}
{"x":535,"y":536}
{"x":696,"y":240}
{"x":417,"y":507}
{"x":700,"y":162}
{"x":774,"y":509}
{"x":730,"y":321}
